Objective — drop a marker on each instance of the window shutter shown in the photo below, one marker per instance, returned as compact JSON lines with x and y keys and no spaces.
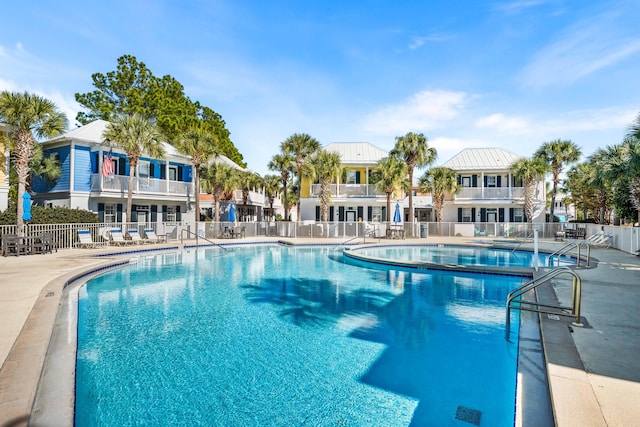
{"x":340,"y":213}
{"x":119,"y":212}
{"x":473,"y":214}
{"x":101,"y":211}
{"x":510,"y":214}
{"x":163,"y":171}
{"x":459,"y":178}
{"x":164,"y":213}
{"x":179,"y":173}
{"x":94,"y":162}
{"x":360,"y":211}
{"x":178,"y":214}
{"x":154,"y":213}
{"x":384,"y":214}
{"x":499,"y":181}
{"x":122,"y":166}
{"x":369,"y":213}
{"x":332,"y":212}
{"x":459,"y":214}
{"x":474,"y":180}
{"x":501,"y":215}
{"x":152,"y":170}
{"x":357,"y":177}
{"x":524,"y":217}
{"x":483,"y":214}
{"x":317,"y":213}
{"x":134,"y":214}
{"x":484,"y":181}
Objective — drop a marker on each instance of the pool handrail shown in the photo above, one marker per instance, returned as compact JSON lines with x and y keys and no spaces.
{"x":515,"y":296}
{"x":198,"y":237}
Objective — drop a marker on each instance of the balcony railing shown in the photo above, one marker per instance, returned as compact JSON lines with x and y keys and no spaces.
{"x":120,"y":184}
{"x":348,"y":190}
{"x":501,"y":193}
{"x":255,"y":198}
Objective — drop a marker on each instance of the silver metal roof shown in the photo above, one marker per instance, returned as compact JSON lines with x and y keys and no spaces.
{"x":482,"y":159}
{"x":357,"y":153}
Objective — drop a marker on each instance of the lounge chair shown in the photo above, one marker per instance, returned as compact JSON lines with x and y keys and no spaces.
{"x":118,"y":238}
{"x":135,"y":237}
{"x":85,"y":240}
{"x":152,"y":237}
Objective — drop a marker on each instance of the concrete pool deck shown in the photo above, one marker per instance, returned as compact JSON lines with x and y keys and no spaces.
{"x":594,"y":371}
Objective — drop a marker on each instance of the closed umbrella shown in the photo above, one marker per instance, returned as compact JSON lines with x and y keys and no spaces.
{"x":396,"y":215}
{"x":26,"y":202}
{"x":232,"y":213}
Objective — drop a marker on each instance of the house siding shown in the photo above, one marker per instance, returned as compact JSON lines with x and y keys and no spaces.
{"x":41,"y":185}
{"x":82,"y":168}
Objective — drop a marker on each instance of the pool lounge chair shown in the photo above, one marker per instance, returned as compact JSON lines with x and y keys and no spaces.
{"x":152,"y":237}
{"x":118,"y":238}
{"x":85,"y":240}
{"x":134,"y":234}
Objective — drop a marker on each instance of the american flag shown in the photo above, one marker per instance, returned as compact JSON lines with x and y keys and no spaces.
{"x":107,"y":165}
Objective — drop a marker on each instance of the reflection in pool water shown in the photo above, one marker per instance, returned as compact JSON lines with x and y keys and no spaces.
{"x":268,"y":335}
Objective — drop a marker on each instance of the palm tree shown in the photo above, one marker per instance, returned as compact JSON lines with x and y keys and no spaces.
{"x":220,"y":179}
{"x":556,"y":154}
{"x":201,"y":145}
{"x":529,"y":170}
{"x":392,"y":174}
{"x":135,"y":135}
{"x":323,"y":166}
{"x":413,"y":149}
{"x":300,"y":146}
{"x":439,"y":181}
{"x":283,"y":163}
{"x":28,"y":115}
{"x":271,"y":188}
{"x":247,"y":180}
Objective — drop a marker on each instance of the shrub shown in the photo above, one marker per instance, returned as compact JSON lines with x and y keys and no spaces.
{"x":56,"y":215}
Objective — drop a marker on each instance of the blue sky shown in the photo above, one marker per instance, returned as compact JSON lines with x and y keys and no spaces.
{"x":509,"y":74}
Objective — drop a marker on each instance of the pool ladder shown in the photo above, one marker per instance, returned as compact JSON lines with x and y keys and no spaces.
{"x":514,"y":299}
{"x":566,"y":249}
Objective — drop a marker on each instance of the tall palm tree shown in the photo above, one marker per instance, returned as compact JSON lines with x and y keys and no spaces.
{"x":135,"y":135}
{"x":272,"y":186}
{"x":283,"y":163}
{"x":247,"y":180}
{"x":220,"y":179}
{"x":28,"y":115}
{"x":439,"y":181}
{"x":201,"y":145}
{"x":414,"y":150}
{"x":300,"y":146}
{"x":392,"y":174}
{"x":325,"y":167}
{"x":530,"y":171}
{"x":556,"y":154}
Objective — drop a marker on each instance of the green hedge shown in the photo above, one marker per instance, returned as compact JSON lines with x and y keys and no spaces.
{"x":56,"y":215}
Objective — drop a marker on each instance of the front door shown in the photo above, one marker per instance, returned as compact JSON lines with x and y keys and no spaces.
{"x":351,"y":216}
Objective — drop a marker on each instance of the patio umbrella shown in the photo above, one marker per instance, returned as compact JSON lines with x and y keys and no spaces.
{"x":26,"y":202}
{"x":232,"y":213}
{"x":396,"y":215}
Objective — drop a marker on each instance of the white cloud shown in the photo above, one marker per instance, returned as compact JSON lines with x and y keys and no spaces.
{"x":423,"y":111}
{"x":519,"y":5}
{"x":584,"y":48}
{"x":503,"y":123}
{"x":421,"y":41}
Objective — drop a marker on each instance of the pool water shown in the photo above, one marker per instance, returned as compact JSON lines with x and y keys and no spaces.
{"x":459,"y":255}
{"x":273,"y":336}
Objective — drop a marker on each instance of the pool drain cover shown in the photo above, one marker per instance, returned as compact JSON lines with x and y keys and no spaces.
{"x":468,"y":415}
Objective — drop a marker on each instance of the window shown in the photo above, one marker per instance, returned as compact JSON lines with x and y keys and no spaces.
{"x":173,"y":173}
{"x":109,"y":213}
{"x":466,"y":215}
{"x":144,"y":169}
{"x":466,"y":181}
{"x":518,"y":215}
{"x":376,"y":214}
{"x":491,"y":181}
{"x":351,"y":177}
{"x":171,"y":214}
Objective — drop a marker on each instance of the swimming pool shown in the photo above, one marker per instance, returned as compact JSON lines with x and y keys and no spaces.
{"x":270,"y":335}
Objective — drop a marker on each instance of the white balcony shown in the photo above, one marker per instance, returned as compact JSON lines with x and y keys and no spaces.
{"x":348,"y":190}
{"x":254,"y":199}
{"x":501,"y":193}
{"x":150,"y":186}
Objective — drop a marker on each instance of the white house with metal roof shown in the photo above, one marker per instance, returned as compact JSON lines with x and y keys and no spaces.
{"x":488,"y":191}
{"x":353,"y":198}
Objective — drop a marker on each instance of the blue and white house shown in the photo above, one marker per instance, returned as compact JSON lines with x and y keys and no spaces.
{"x":162,"y":189}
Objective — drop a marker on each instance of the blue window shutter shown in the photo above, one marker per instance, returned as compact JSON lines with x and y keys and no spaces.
{"x":101,"y":211}
{"x":179,"y":173}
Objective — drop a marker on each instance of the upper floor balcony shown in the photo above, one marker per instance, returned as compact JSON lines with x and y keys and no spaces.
{"x":348,"y":190}
{"x":490,"y":193}
{"x":148,"y":186}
